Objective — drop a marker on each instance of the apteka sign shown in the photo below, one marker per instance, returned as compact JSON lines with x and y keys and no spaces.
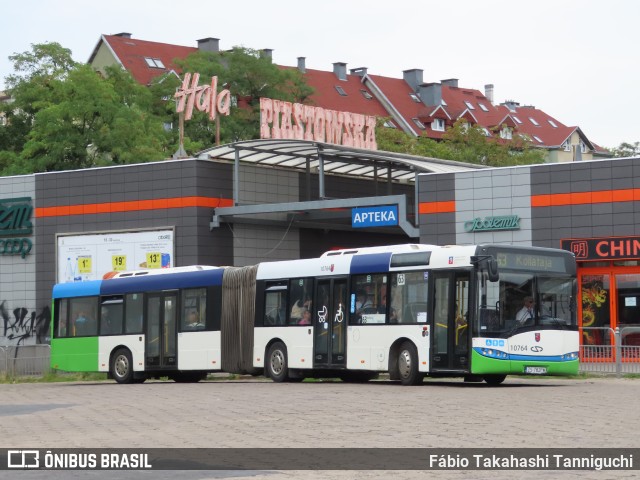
{"x":379,"y":216}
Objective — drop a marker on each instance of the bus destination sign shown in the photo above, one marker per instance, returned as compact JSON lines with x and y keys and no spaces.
{"x":528,"y":261}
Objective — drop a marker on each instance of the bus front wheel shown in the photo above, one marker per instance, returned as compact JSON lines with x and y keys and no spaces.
{"x":122,"y":366}
{"x":408,"y":365}
{"x":277,"y":364}
{"x":494,"y":379}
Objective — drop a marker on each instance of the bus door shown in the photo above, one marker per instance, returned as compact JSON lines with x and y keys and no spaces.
{"x":451,"y":337}
{"x":330,"y":320}
{"x":160,"y":338}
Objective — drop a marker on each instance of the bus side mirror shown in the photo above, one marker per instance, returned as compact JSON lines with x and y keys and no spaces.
{"x":492,"y":270}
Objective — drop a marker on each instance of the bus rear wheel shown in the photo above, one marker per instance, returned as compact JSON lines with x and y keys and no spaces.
{"x":408,"y":365}
{"x":494,"y":379}
{"x":122,"y":366}
{"x":277,"y":363}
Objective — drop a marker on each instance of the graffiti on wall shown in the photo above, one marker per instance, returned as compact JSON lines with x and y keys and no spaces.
{"x":22,"y":326}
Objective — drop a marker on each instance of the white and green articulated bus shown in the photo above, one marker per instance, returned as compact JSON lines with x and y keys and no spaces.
{"x":408,"y":310}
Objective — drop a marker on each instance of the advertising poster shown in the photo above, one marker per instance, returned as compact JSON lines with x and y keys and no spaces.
{"x":91,"y":256}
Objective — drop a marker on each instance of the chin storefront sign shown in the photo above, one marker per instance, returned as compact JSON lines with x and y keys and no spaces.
{"x":15,"y":221}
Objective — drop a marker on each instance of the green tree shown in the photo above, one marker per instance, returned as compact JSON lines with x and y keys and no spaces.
{"x":71,"y":117}
{"x":626,"y":150}
{"x":462,"y":143}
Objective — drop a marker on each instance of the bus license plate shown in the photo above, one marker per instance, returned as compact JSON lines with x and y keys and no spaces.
{"x":535,"y":370}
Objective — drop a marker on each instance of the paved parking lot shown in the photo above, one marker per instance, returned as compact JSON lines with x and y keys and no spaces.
{"x":535,"y":413}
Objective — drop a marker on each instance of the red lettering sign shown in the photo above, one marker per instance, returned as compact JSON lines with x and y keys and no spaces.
{"x":204,"y":97}
{"x":286,"y":120}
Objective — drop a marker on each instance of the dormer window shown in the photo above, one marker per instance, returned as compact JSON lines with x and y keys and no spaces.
{"x":418,"y":123}
{"x":341,"y":91}
{"x":583,"y":147}
{"x":567,"y":145}
{"x":506,"y":133}
{"x":437,"y":125}
{"x":486,"y":132}
{"x":154,"y":62}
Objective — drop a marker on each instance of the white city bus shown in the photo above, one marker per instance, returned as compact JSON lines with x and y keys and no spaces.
{"x":416,"y":310}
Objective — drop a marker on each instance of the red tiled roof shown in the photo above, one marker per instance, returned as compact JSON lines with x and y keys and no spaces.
{"x":132,"y":53}
{"x":326,"y":95}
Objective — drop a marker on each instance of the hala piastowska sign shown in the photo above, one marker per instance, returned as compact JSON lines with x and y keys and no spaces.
{"x":15,"y":221}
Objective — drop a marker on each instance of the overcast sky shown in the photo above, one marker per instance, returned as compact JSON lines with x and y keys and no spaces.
{"x":577,"y":60}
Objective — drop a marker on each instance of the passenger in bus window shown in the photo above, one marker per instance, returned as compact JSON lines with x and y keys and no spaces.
{"x":525,"y":314}
{"x":306,"y":318}
{"x":298,"y":309}
{"x":80,"y":324}
{"x":194,"y":320}
{"x":382,"y":308}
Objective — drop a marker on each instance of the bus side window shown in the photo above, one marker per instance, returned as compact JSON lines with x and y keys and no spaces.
{"x":133,"y":313}
{"x":275,"y":306}
{"x":62,"y":318}
{"x":84,"y":313}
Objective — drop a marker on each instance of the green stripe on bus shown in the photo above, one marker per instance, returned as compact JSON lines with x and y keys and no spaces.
{"x":75,"y":354}
{"x":481,"y":365}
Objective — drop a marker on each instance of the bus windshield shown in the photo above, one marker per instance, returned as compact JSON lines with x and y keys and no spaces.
{"x":520,"y":300}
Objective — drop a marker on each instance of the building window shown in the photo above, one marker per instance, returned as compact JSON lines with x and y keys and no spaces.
{"x":469,"y":105}
{"x":438,"y":124}
{"x":486,"y":132}
{"x":583,"y":147}
{"x":415,"y":97}
{"x":533,"y":120}
{"x":552,"y":123}
{"x":418,"y":123}
{"x":516,"y":119}
{"x":154,"y":62}
{"x":537,"y":138}
{"x":341,"y":91}
{"x":567,"y":145}
{"x":366,"y":94}
{"x":506,"y":133}
{"x":482,"y":107}
{"x":389,"y":124}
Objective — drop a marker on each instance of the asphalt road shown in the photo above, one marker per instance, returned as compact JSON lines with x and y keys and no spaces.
{"x":522,"y":413}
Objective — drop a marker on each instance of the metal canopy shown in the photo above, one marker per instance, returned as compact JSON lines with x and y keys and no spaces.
{"x":323,"y":159}
{"x":335,"y":159}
